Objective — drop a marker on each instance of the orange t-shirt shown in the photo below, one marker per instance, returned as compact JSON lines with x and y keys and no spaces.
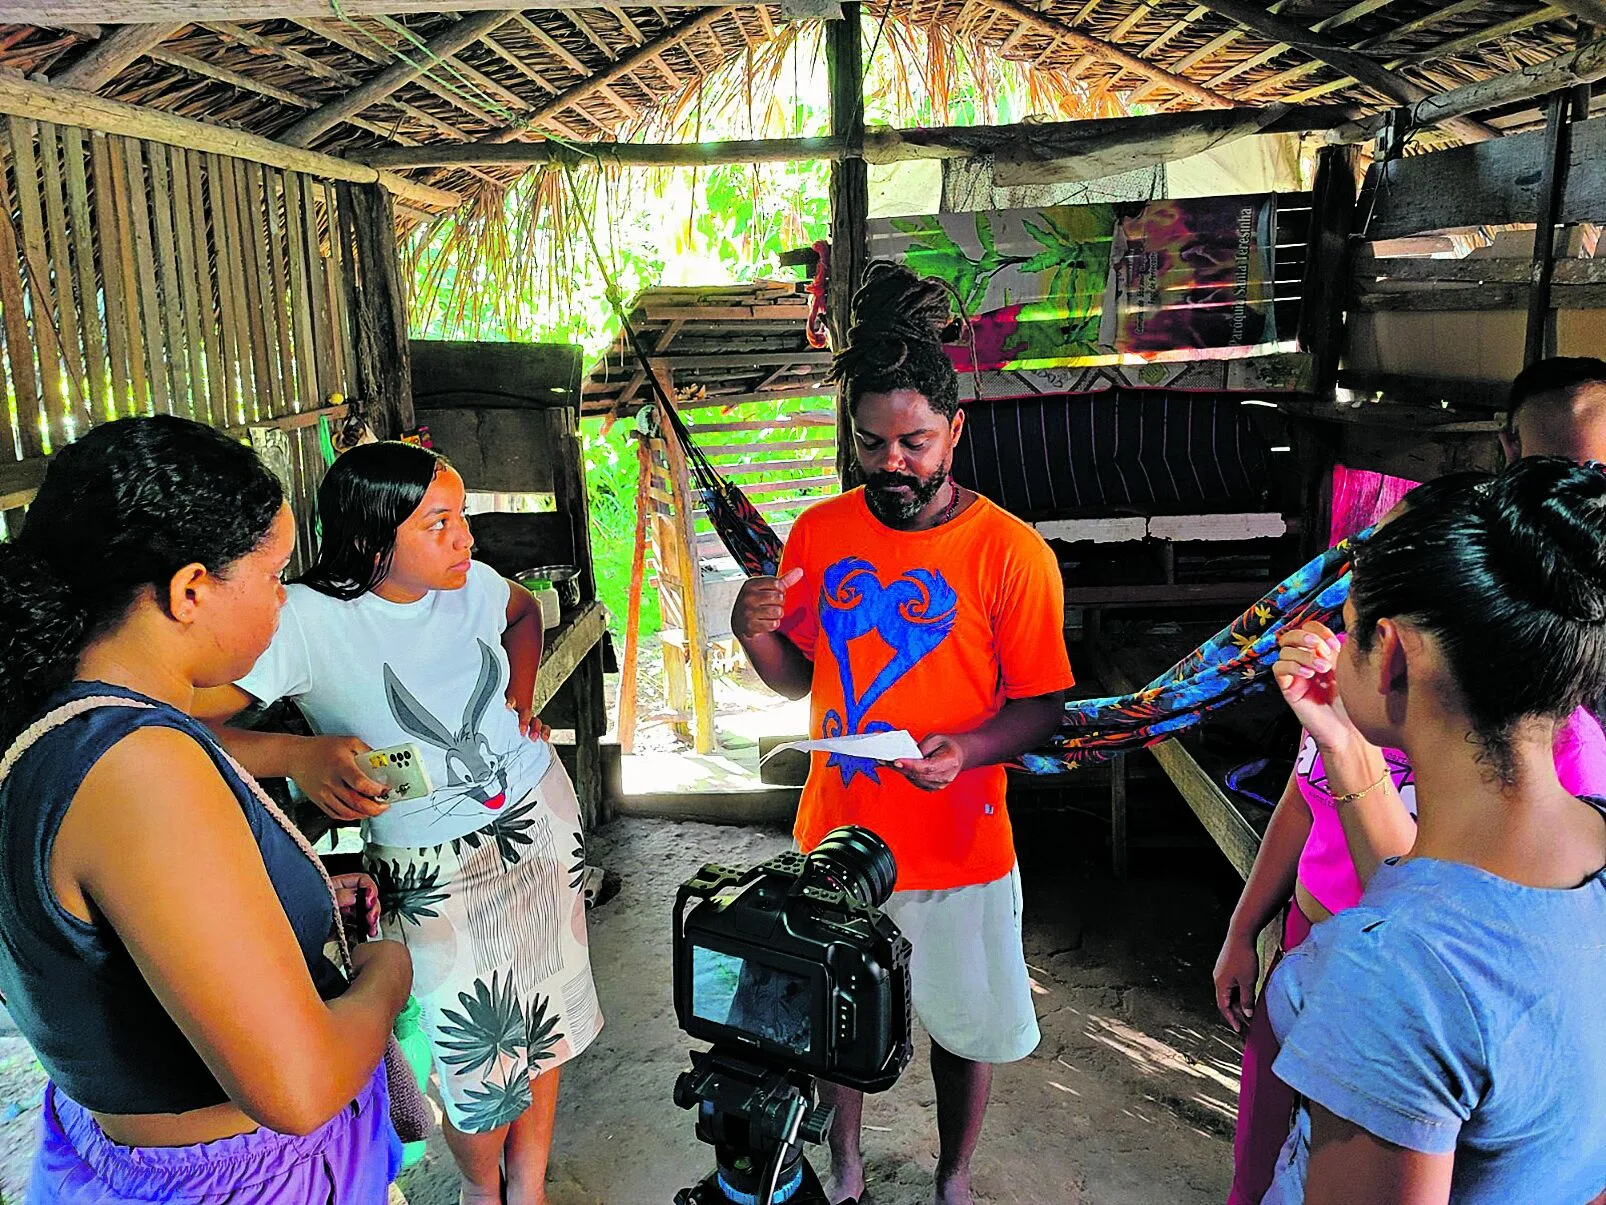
{"x":930,"y":631}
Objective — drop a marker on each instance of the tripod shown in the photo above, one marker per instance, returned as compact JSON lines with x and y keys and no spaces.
{"x":757,"y":1119}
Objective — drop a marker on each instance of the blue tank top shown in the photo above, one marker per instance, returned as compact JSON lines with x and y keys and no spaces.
{"x":72,"y":987}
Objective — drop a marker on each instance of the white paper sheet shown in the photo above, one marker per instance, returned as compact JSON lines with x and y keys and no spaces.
{"x":877,"y":746}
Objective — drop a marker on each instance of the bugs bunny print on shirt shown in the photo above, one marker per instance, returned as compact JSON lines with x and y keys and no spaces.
{"x":476,"y":775}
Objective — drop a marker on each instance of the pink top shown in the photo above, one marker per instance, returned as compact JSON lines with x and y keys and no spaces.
{"x":1325,"y":865}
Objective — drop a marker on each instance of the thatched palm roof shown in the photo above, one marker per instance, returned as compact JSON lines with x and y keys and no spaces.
{"x":597,"y":73}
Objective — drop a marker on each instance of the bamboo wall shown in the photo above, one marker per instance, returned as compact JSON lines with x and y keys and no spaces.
{"x":138,"y":277}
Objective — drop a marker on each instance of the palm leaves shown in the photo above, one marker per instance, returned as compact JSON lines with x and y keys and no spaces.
{"x":577,"y":868}
{"x":510,"y":830}
{"x":410,"y":894}
{"x":491,"y":1104}
{"x":541,"y":1033}
{"x":493,"y":1032}
{"x":490,"y":1027}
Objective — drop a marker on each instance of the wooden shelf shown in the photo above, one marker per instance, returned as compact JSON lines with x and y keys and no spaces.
{"x":565,"y":646}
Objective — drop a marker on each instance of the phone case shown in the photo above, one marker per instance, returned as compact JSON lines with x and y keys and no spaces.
{"x":401,"y":769}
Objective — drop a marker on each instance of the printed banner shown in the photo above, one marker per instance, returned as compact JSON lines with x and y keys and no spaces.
{"x":1086,"y":285}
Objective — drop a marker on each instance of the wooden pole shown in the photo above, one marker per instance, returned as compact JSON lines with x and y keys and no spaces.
{"x":1575,"y":68}
{"x":850,"y":204}
{"x":638,"y":574}
{"x":1052,"y":143}
{"x":702,"y":686}
{"x":1327,"y":274}
{"x":1552,"y":187}
{"x":384,"y":364}
{"x":1321,"y":327}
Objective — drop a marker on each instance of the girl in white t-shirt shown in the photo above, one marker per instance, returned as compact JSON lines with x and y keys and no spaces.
{"x":395,"y":636}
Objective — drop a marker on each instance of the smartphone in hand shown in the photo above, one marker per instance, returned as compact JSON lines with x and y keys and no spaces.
{"x":401,"y":769}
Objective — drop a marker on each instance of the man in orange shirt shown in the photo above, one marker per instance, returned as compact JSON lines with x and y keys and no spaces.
{"x":916,"y":604}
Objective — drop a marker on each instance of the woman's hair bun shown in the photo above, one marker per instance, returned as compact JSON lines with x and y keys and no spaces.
{"x":1546,"y":526}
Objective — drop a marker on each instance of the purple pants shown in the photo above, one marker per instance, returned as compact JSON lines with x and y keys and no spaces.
{"x":1265,"y":1103}
{"x":349,"y":1160}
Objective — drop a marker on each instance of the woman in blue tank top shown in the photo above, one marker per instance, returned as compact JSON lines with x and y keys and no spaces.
{"x":161,"y":936}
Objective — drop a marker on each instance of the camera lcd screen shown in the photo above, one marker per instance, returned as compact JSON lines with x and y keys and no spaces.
{"x":762,"y":1002}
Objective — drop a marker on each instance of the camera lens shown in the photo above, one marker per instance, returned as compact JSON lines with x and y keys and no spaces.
{"x":854,"y":860}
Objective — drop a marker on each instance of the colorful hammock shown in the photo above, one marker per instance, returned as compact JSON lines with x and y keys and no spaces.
{"x":745,"y":532}
{"x":1235,"y":662}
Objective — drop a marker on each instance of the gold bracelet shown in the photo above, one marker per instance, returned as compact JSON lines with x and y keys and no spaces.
{"x":1354,"y":795}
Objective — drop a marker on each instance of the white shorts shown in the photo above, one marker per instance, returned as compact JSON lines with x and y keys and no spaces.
{"x":968,"y":971}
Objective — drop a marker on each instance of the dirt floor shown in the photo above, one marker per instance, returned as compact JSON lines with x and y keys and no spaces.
{"x":1129,"y":1100}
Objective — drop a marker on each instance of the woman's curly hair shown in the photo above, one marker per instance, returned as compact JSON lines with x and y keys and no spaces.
{"x":123,"y":508}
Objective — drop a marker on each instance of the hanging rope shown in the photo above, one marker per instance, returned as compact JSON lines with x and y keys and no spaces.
{"x":738,"y":523}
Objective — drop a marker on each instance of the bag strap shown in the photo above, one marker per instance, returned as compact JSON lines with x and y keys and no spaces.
{"x":69,"y":711}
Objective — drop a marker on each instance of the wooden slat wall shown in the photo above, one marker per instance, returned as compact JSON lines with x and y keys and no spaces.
{"x":142,"y":278}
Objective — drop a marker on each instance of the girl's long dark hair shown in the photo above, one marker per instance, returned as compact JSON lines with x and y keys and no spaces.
{"x":365,"y":496}
{"x":1509,"y":574}
{"x":123,"y":508}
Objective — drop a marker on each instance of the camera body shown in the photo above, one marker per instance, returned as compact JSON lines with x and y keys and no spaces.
{"x":790,"y":964}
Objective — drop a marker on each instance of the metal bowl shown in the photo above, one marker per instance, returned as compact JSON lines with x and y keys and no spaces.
{"x":566,"y":578}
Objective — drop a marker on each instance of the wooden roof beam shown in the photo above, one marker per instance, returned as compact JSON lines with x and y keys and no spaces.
{"x":591,"y":35}
{"x":443,"y":45}
{"x":1111,"y":53}
{"x":230,"y":32}
{"x":1464,"y":42}
{"x":597,"y":84}
{"x":63,"y":13}
{"x":1586,"y":65}
{"x":1175,"y":28}
{"x":234,"y":79}
{"x":1035,"y":143}
{"x":552,"y":44}
{"x":519,"y":65}
{"x":111,"y":54}
{"x":633,"y":31}
{"x":1319,"y":46}
{"x":1275,"y":50}
{"x":1477,"y":37}
{"x":1353,"y":13}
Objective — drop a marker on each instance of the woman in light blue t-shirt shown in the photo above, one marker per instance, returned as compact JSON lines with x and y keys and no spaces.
{"x":1448,"y":1034}
{"x":396,"y":638}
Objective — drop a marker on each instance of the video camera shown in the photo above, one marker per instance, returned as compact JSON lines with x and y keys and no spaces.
{"x":792,"y":971}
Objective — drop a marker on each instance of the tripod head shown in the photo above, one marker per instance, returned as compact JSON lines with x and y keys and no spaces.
{"x":758,"y":1119}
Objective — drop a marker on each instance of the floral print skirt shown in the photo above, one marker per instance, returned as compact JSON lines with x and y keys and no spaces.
{"x":496,"y":924}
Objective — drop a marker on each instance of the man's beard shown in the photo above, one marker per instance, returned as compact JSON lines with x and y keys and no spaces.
{"x":894,"y":509}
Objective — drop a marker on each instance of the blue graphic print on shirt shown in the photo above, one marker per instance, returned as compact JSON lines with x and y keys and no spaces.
{"x":912,"y":616}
